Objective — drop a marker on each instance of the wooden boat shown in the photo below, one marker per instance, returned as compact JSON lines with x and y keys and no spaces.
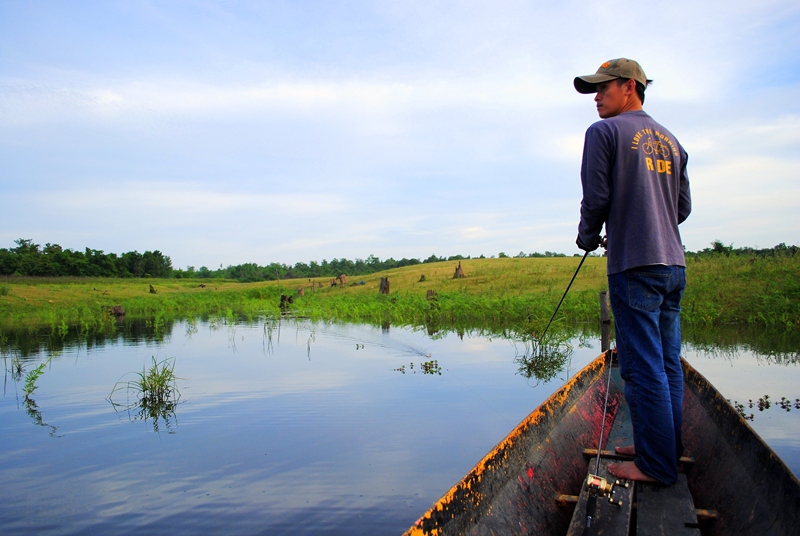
{"x":530,"y":482}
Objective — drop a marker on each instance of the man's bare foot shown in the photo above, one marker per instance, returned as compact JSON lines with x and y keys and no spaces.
{"x":627,"y":450}
{"x":629,"y":471}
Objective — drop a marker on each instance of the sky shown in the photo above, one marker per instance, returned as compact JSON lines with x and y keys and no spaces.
{"x":222,"y":132}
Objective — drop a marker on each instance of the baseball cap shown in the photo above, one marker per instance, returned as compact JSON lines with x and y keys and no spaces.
{"x":610,"y":70}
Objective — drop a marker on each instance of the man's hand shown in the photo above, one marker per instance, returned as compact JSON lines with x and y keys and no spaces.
{"x":593,"y":245}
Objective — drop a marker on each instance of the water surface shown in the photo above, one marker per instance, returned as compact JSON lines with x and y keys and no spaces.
{"x":288,"y":428}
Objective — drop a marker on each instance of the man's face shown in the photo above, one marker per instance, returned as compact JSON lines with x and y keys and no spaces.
{"x":612,"y":98}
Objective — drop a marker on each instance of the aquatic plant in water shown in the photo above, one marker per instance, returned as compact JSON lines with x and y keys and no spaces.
{"x":32,"y":376}
{"x":153,"y":394}
{"x":543,"y":358}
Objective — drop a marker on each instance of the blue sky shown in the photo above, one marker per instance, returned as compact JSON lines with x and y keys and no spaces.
{"x":233,"y":132}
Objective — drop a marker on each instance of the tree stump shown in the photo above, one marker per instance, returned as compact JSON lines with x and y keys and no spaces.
{"x":152,"y":290}
{"x":431,"y":295}
{"x":459,"y":272}
{"x":384,"y":287}
{"x":421,"y":278}
{"x":342,"y":279}
{"x":301,"y":292}
{"x":286,"y":301}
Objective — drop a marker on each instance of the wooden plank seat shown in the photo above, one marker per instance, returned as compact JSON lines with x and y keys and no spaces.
{"x":665,"y":510}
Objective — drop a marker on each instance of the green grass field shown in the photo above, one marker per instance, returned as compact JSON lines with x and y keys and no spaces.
{"x":506,"y":293}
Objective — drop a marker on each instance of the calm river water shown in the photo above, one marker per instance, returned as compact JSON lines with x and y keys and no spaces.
{"x":290,"y":428}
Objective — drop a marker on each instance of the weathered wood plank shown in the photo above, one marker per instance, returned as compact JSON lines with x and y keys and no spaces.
{"x":686,"y":461}
{"x":609,"y":519}
{"x":665,"y":509}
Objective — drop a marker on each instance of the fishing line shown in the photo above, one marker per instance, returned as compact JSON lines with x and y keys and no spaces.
{"x":605,"y":409}
{"x":470,"y":389}
{"x":596,"y":484}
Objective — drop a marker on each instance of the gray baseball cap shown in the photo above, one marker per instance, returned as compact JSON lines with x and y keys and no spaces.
{"x":610,"y":70}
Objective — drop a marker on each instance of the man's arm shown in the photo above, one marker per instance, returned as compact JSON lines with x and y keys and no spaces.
{"x":684,"y":196}
{"x":596,"y":184}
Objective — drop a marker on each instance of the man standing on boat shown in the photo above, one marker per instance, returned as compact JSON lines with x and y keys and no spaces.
{"x":634,"y":181}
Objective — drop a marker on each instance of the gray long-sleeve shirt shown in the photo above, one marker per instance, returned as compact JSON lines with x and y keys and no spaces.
{"x":634,"y":180}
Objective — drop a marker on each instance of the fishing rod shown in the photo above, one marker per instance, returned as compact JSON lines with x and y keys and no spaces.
{"x":595,"y":484}
{"x":564,"y":296}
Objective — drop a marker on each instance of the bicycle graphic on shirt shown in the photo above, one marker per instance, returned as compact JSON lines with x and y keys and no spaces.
{"x":655,"y":147}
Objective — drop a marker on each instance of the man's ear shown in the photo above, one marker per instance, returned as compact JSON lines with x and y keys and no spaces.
{"x":630,"y":85}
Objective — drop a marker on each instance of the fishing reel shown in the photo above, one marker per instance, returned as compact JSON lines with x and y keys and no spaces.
{"x":600,"y":487}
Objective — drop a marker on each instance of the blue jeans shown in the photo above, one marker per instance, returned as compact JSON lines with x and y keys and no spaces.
{"x":646,"y":302}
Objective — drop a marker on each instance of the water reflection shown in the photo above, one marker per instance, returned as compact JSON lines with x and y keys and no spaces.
{"x":16,"y":372}
{"x":32,"y":341}
{"x":778,"y":346}
{"x":292,"y":426}
{"x":543,"y":359}
{"x":33,"y":412}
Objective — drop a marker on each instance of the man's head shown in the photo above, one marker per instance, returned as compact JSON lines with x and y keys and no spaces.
{"x":619,"y":85}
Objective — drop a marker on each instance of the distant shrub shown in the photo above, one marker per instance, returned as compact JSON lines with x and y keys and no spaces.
{"x":4,"y":290}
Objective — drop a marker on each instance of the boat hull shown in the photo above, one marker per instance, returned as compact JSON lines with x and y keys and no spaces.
{"x":514,"y":488}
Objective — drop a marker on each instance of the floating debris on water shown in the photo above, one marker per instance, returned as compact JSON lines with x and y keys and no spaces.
{"x":426,"y":367}
{"x":764,"y":403}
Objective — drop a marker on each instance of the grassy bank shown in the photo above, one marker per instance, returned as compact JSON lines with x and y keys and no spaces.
{"x":518,"y":294}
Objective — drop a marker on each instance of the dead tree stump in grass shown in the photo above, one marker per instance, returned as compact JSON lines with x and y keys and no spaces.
{"x":384,"y":287}
{"x":459,"y":271}
{"x":152,"y":290}
{"x":301,"y":292}
{"x":422,"y":279}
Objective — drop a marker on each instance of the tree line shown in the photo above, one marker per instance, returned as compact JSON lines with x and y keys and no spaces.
{"x":52,"y":260}
{"x":29,"y":259}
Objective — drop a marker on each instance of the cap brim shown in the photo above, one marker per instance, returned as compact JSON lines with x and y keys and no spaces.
{"x":588,"y":84}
